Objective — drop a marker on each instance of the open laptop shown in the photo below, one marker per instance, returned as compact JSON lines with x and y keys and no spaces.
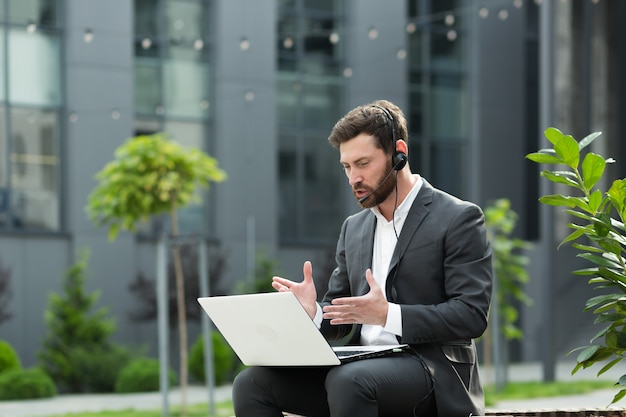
{"x":273,"y":329}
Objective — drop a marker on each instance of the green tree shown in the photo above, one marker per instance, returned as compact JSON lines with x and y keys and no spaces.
{"x":509,"y":265}
{"x":71,"y":326}
{"x":510,"y":261}
{"x":599,"y":236}
{"x":151,"y":175}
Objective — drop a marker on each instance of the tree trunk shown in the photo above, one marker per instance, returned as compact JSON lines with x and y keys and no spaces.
{"x":180,"y":301}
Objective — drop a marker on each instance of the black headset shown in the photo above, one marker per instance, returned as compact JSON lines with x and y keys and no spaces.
{"x":399,"y":159}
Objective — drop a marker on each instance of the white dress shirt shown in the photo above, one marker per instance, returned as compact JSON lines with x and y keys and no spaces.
{"x":384,"y":244}
{"x":385,"y":239}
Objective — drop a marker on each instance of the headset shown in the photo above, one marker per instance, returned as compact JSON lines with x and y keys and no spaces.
{"x":399,"y":159}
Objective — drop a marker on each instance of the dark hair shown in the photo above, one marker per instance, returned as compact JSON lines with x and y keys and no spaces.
{"x":371,"y":119}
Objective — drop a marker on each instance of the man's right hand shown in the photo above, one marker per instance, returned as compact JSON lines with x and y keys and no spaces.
{"x":304,"y":291}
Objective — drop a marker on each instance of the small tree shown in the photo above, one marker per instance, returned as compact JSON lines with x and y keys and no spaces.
{"x":144,"y":288}
{"x":73,"y":327}
{"x":510,"y":261}
{"x":151,"y":175}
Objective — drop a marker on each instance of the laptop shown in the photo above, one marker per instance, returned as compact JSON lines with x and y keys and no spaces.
{"x":273,"y":329}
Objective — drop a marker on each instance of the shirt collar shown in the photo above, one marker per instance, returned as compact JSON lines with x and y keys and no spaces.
{"x":406,"y":204}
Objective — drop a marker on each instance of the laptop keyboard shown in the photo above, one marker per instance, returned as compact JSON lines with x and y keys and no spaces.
{"x":344,"y":353}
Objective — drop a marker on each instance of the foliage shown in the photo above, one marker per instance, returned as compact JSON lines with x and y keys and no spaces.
{"x":144,"y":288}
{"x":100,"y":366}
{"x":224,"y":359}
{"x":5,"y":292}
{"x":141,"y":375}
{"x":8,"y":357}
{"x":599,"y":217}
{"x":509,"y":264}
{"x":71,"y":327}
{"x":20,"y":384}
{"x":265,"y":268}
{"x":148,"y":176}
{"x":151,"y":175}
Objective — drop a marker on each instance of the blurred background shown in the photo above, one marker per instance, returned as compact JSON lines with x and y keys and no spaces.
{"x":259,"y":84}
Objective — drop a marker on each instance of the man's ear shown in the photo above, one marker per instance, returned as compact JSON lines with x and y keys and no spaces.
{"x":402,"y":146}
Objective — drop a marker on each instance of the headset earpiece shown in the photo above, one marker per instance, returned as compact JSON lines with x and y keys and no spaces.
{"x":399,"y":160}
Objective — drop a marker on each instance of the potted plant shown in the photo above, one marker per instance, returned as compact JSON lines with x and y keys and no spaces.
{"x":598,"y":234}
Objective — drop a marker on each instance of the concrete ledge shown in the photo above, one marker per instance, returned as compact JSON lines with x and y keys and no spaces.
{"x":604,"y":412}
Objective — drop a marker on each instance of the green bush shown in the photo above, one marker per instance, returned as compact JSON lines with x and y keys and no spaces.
{"x":225,"y":359}
{"x":73,"y":325}
{"x":21,"y":384}
{"x":141,"y":375}
{"x":8,"y":357}
{"x":100,"y":367}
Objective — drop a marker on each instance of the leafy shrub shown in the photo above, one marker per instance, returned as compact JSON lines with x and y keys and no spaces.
{"x":20,"y":384}
{"x":598,"y":217}
{"x":510,"y":262}
{"x":71,"y":326}
{"x":100,"y":367}
{"x":8,"y":357}
{"x":141,"y":375}
{"x":224,"y":359}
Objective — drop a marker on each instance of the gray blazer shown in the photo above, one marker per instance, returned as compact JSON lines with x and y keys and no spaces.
{"x":440,"y":274}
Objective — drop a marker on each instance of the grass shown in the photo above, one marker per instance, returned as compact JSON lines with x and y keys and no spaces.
{"x":512,"y":391}
{"x":533,"y":389}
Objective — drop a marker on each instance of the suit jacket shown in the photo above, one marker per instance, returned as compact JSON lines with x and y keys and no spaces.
{"x":440,"y":274}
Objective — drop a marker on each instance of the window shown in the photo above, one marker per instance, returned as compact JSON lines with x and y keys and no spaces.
{"x":310,"y":92}
{"x":171,"y":85}
{"x":438,"y":100}
{"x":30,"y":101}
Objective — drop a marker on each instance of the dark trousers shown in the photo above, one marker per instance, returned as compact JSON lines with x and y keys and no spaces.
{"x":398,"y":386}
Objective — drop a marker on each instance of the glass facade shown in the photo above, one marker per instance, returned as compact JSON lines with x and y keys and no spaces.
{"x":172,"y":83}
{"x":438,"y":114}
{"x":30,"y":102}
{"x":310,"y":96}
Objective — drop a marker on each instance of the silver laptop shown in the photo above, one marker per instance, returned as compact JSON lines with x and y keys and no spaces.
{"x":273,"y":329}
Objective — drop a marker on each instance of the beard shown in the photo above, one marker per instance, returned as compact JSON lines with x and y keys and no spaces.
{"x":383,"y":192}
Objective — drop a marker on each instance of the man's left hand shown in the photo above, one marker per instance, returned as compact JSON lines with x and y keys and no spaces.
{"x":370,"y":308}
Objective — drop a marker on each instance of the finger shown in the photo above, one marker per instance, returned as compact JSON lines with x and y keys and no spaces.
{"x":343,"y":321}
{"x":338,"y":308}
{"x":337,"y":315}
{"x":282,"y":281}
{"x":369,"y":277}
{"x":346,"y":301}
{"x":281,"y":284}
{"x":307,"y":271}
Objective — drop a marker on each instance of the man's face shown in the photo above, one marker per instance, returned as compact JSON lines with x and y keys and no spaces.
{"x":366,"y":167}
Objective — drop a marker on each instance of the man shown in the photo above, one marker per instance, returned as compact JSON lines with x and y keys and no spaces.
{"x":415,"y":268}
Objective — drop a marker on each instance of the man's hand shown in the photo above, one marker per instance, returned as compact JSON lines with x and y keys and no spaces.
{"x":370,"y":308}
{"x":304,"y":291}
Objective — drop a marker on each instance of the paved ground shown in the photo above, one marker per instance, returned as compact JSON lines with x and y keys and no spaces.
{"x":75,"y":403}
{"x":198,"y":394}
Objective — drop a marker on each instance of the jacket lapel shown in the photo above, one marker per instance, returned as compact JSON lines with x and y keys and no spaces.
{"x":415,"y":217}
{"x":367,"y":248}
